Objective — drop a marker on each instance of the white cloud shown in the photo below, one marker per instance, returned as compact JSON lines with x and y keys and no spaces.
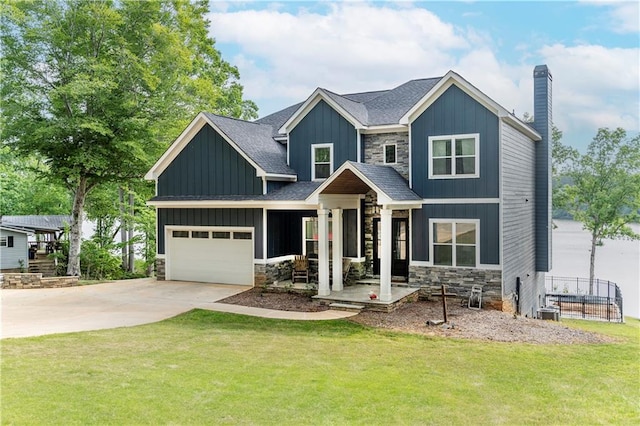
{"x":595,"y":86}
{"x":354,"y":47}
{"x":624,"y":16}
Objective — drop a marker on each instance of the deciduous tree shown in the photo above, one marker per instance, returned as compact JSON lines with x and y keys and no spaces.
{"x":605,"y":190}
{"x":97,"y":87}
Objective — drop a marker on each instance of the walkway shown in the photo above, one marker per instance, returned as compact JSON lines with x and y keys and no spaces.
{"x":37,"y":312}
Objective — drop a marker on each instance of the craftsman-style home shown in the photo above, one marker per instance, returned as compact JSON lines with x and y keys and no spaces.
{"x":426,"y":183}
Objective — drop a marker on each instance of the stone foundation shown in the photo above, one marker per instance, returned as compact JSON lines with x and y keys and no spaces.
{"x":160,"y":270}
{"x":22,"y":281}
{"x":459,"y":281}
{"x":266,"y":275}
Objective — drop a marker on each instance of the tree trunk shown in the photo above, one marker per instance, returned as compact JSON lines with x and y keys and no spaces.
{"x":123,"y":232}
{"x":592,"y":262}
{"x":132,"y":263}
{"x":75,"y":231}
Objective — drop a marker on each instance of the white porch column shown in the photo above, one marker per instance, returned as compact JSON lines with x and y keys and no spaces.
{"x":336,"y":223}
{"x":385,"y":255}
{"x":323,"y":252}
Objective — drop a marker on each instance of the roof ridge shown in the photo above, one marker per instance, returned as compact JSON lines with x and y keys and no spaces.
{"x":237,"y":119}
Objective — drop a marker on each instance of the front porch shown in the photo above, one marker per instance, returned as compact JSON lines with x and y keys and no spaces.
{"x":357,"y":297}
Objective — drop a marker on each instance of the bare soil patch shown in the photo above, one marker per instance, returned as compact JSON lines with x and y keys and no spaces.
{"x":412,"y":318}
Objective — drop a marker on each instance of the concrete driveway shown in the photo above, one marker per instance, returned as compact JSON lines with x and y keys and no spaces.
{"x":36,"y":312}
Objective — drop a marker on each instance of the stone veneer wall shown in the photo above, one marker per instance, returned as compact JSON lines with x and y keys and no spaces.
{"x":459,"y":280}
{"x":373,"y":152}
{"x":160,"y":270}
{"x":15,"y":281}
{"x":266,"y":275}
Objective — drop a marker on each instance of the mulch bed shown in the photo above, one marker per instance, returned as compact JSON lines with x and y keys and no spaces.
{"x":412,"y":317}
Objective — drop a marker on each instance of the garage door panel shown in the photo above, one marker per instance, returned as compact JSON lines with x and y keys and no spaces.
{"x":215,"y":260}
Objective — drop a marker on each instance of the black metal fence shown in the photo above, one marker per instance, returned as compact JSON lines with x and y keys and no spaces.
{"x":581,"y":298}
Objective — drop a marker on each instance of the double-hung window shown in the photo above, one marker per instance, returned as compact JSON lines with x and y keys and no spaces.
{"x":310,"y":237}
{"x":454,"y":242}
{"x":455,"y":156}
{"x":321,"y":161}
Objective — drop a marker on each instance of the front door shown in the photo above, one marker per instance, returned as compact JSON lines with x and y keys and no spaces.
{"x":399,"y":247}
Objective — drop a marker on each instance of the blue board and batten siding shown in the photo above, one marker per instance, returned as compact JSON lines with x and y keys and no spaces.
{"x":488,"y":214}
{"x":519,"y":221}
{"x":455,"y":113}
{"x":212,"y":217}
{"x":321,"y":125}
{"x":284,"y":232}
{"x":208,"y":165}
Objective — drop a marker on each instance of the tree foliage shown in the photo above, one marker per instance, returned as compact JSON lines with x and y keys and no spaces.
{"x":97,"y":88}
{"x":605,"y":190}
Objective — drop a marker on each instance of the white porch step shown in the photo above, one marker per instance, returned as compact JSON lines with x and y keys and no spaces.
{"x":346,"y":307}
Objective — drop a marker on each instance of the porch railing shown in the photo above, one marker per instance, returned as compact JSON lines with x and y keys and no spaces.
{"x":573,"y":298}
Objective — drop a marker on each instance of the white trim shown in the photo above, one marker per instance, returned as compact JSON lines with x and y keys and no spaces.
{"x":453,"y":222}
{"x":385,"y":128}
{"x":264,"y":185}
{"x":358,"y":146}
{"x":205,"y":204}
{"x":313,"y":159}
{"x":278,"y":259}
{"x":19,"y":231}
{"x":410,"y":159}
{"x":161,"y":255}
{"x":281,"y":177}
{"x":288,"y":145}
{"x":264,"y":233}
{"x":309,"y":104}
{"x":384,"y":152}
{"x":359,"y":228}
{"x":452,"y":140}
{"x":500,"y":209}
{"x":461,"y":201}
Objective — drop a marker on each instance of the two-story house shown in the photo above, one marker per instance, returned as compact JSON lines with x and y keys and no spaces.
{"x":429,"y":182}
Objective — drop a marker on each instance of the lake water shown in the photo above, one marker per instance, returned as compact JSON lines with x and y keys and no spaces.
{"x":617,"y":261}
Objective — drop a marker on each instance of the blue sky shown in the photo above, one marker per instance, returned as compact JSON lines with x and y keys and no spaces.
{"x":284,"y":50}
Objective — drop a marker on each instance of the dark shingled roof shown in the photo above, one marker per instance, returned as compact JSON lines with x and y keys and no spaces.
{"x":297,"y":191}
{"x":37,"y":222}
{"x":256,"y":141}
{"x":369,"y":108}
{"x":277,"y":119}
{"x":388,"y":180}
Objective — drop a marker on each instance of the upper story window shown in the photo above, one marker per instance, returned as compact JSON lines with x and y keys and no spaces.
{"x":3,"y":241}
{"x":454,"y":242}
{"x":455,"y":156}
{"x":390,"y":153}
{"x":321,"y":161}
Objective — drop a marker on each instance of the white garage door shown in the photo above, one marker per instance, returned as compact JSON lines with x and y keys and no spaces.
{"x":212,"y":255}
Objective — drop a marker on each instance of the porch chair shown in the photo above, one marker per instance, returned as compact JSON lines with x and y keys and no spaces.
{"x":300,"y":269}
{"x":346,"y":265}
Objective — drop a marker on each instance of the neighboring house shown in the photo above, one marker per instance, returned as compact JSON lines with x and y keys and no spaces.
{"x":23,"y":237}
{"x":430,"y":182}
{"x":14,"y":250}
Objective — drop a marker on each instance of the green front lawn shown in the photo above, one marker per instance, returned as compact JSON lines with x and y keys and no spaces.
{"x":212,"y":368}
